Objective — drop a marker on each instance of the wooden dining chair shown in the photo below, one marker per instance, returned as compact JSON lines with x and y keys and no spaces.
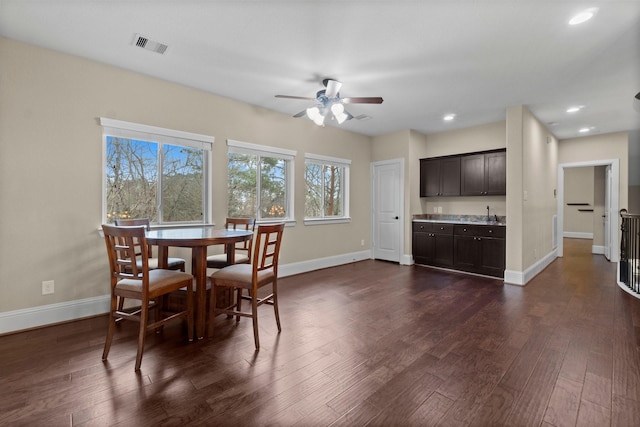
{"x":242,"y":249}
{"x":172,"y":263}
{"x":262,"y":271}
{"x":132,"y":278}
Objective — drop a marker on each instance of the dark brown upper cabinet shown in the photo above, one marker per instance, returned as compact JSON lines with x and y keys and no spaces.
{"x":483,"y":174}
{"x":474,"y":174}
{"x":440,"y":177}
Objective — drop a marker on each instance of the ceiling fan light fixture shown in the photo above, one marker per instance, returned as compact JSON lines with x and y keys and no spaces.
{"x":314,"y":114}
{"x":330,"y":104}
{"x":338,"y":113}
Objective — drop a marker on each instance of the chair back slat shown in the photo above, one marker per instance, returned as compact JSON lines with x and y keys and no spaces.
{"x":248,"y":224}
{"x":123,"y":248}
{"x":136,"y":222}
{"x":267,"y":247}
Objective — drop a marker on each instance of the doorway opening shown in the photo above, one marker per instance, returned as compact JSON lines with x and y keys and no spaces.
{"x":612,"y":205}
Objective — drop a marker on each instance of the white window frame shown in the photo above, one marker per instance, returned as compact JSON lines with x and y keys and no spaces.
{"x":331,"y":161}
{"x":288,"y":156}
{"x":129,"y":130}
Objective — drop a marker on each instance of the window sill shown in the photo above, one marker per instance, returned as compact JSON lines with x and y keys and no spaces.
{"x":323,"y":221}
{"x":287,"y":222}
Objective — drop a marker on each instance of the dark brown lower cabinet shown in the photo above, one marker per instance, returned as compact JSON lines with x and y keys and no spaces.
{"x":473,"y":248}
{"x":433,"y":244}
{"x":479,"y":249}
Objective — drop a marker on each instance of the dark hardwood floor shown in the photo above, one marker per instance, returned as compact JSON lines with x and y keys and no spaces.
{"x":369,"y":343}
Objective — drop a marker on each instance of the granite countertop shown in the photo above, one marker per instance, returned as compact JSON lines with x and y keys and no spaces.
{"x":461,"y":219}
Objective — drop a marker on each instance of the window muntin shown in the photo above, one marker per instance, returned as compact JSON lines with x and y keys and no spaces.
{"x":155,"y":173}
{"x":327,"y":192}
{"x":260,"y":182}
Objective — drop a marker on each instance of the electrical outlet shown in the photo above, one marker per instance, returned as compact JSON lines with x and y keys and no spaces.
{"x":435,"y":209}
{"x":362,"y":242}
{"x":439,"y":209}
{"x":47,"y":287}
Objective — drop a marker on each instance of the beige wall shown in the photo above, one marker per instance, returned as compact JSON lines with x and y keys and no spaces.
{"x":477,"y":138}
{"x":597,"y":148}
{"x":531,"y":183}
{"x":51,"y":161}
{"x":578,"y":188}
{"x":540,"y":164}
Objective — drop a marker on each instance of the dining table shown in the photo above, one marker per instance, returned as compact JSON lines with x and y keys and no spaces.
{"x":198,"y":239}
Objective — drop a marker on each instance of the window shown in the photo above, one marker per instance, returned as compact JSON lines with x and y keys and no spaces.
{"x":327,"y":189}
{"x":260,"y":183}
{"x":155,"y":173}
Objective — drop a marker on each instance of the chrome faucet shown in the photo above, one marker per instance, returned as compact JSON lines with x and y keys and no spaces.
{"x":488,"y":220}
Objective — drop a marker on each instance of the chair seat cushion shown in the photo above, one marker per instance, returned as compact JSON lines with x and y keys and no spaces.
{"x":158,"y":279}
{"x":239,"y":275}
{"x":220,"y":260}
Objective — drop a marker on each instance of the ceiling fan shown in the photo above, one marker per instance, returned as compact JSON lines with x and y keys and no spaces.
{"x":329,"y":103}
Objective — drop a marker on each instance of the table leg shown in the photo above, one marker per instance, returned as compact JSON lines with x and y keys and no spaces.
{"x":163,"y":256}
{"x":231,"y":253}
{"x":199,"y":272}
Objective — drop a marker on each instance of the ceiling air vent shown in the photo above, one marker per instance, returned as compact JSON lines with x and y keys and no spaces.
{"x":154,"y":46}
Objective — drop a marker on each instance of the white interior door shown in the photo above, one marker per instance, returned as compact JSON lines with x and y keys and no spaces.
{"x":607,"y":214}
{"x":386,"y":200}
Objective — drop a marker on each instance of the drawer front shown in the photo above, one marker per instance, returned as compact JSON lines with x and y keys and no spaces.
{"x":494,"y":231}
{"x":422,"y":227}
{"x":442,"y":228}
{"x":480,"y":230}
{"x":466,"y":230}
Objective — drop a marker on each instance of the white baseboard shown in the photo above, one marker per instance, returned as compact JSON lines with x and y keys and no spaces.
{"x":18,"y":320}
{"x":316,"y":264}
{"x":406,"y":259}
{"x":577,"y":235}
{"x":521,"y":278}
{"x":597,"y":250}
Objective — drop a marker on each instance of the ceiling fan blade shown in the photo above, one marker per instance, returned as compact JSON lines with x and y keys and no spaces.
{"x":333,"y":87}
{"x":306,"y":98}
{"x":300,"y":114}
{"x":363,"y":100}
{"x":362,"y":117}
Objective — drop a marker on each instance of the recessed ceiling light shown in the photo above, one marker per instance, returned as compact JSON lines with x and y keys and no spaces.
{"x":585,"y":130}
{"x":583,"y":16}
{"x":449,"y":117}
{"x":575,"y":108}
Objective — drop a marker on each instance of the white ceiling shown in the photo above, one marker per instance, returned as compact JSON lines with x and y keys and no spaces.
{"x":425,"y":58}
